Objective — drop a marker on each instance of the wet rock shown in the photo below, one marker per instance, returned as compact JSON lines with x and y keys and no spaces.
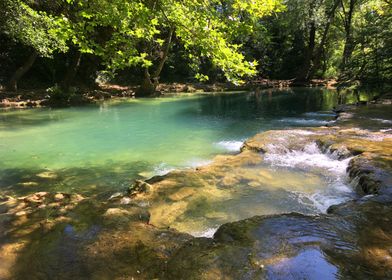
{"x":58,"y":197}
{"x":372,"y":176}
{"x":29,"y":184}
{"x":47,"y":175}
{"x":125,"y":200}
{"x":370,"y":168}
{"x":115,"y":196}
{"x":139,"y":251}
{"x":34,"y":199}
{"x":54,"y":205}
{"x":275,"y":140}
{"x":76,"y":198}
{"x":182,"y":193}
{"x":292,"y":245}
{"x":21,"y":213}
{"x":120,"y":216}
{"x":139,"y":187}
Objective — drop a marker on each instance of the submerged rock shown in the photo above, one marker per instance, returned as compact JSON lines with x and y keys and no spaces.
{"x":120,"y":216}
{"x":138,"y":187}
{"x":354,"y":244}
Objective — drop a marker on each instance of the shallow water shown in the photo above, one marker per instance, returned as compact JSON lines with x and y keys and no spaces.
{"x":105,"y":147}
{"x":305,"y":181}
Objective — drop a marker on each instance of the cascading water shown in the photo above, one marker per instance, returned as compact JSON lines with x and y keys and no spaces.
{"x":312,"y":159}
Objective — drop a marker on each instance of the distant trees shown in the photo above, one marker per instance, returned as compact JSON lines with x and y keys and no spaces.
{"x":344,"y":39}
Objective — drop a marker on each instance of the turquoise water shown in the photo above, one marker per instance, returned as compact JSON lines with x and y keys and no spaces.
{"x":106,"y":146}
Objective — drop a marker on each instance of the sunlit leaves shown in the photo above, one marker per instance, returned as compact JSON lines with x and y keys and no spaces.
{"x":137,"y":30}
{"x":43,"y":32}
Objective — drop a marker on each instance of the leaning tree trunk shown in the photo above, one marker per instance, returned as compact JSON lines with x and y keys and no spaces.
{"x":71,"y":71}
{"x":348,"y":44}
{"x":147,"y":87}
{"x":320,"y":49}
{"x":13,"y":83}
{"x":150,"y":82}
{"x":304,"y":70}
{"x":303,"y":75}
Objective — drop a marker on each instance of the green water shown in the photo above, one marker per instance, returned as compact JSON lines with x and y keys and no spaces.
{"x":106,"y":146}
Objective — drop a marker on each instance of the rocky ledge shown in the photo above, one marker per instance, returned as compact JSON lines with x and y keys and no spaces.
{"x":353,"y":240}
{"x":371,"y":152}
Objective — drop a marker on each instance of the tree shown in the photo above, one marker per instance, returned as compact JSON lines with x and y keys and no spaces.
{"x":367,"y":48}
{"x":348,"y":10}
{"x":141,"y":32}
{"x":35,"y":29}
{"x":320,"y":17}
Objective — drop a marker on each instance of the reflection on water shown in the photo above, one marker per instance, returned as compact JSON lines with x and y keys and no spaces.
{"x":308,"y":264}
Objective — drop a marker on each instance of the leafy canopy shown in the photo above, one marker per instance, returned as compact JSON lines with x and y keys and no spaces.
{"x":32,"y":28}
{"x":135,"y":31}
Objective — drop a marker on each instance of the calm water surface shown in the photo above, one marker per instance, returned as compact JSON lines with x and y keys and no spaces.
{"x":105,"y":147}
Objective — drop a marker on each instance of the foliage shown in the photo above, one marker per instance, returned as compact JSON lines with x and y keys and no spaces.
{"x":36,"y":29}
{"x":137,"y":31}
{"x":204,"y":39}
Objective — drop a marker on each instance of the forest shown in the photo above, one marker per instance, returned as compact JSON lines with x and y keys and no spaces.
{"x":65,"y":45}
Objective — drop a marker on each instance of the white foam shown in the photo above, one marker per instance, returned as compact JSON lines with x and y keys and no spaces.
{"x":231,"y":146}
{"x":193,"y":163}
{"x":298,"y":132}
{"x":375,"y":137}
{"x":381,"y":120}
{"x":162,"y":169}
{"x":300,"y":121}
{"x":336,"y":193}
{"x":310,"y":157}
{"x":209,"y":233}
{"x":125,"y":200}
{"x":158,"y":170}
{"x":115,"y":195}
{"x":320,"y":114}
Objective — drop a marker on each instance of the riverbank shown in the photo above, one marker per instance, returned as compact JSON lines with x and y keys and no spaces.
{"x":25,"y":98}
{"x":60,"y":235}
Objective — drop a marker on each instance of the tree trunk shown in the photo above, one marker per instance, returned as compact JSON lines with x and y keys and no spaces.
{"x":318,"y":53}
{"x":13,"y":83}
{"x":164,"y":55}
{"x":303,"y":74}
{"x":71,"y":71}
{"x":313,"y":55}
{"x":147,"y":87}
{"x":349,"y":44}
{"x":151,"y":82}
